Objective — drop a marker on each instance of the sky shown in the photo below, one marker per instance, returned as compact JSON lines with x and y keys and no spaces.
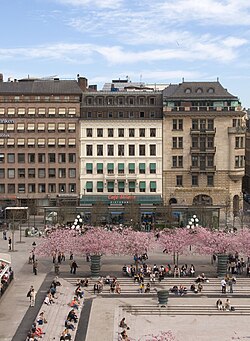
{"x":153,"y":41}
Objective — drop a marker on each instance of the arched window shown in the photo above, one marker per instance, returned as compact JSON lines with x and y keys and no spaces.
{"x":202,"y":199}
{"x":172,"y":201}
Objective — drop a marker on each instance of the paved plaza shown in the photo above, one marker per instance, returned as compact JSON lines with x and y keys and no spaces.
{"x":101,"y":313}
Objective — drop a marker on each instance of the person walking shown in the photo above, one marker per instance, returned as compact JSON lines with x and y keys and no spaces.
{"x":29,"y":292}
{"x":73,"y":267}
{"x":10,"y":243}
{"x":35,"y":264}
{"x":32,"y":297}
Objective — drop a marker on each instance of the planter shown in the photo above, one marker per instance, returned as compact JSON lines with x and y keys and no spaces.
{"x":222,"y":265}
{"x":95,"y":265}
{"x":163,"y":297}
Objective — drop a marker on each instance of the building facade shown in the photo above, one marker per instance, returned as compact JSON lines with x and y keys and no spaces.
{"x":203,"y":150}
{"x":121,"y":148}
{"x":39,"y":134}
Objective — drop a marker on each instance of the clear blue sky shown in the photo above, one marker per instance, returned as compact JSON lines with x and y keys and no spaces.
{"x":158,"y":41}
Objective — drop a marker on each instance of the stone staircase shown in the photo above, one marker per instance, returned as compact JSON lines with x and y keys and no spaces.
{"x":130,"y":289}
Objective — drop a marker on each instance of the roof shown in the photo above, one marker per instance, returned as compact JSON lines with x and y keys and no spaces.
{"x":39,"y":87}
{"x":197,"y":90}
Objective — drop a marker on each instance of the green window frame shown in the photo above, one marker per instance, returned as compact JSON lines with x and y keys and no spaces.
{"x":99,"y":186}
{"x":99,"y":167}
{"x":110,"y":168}
{"x":89,"y":186}
{"x":142,"y":186}
{"x":152,"y":168}
{"x":89,"y":168}
{"x":120,"y":168}
{"x":142,"y":168}
{"x":131,"y":168}
{"x":121,"y":186}
{"x":111,"y":186}
{"x":152,"y":186}
{"x":131,"y":186}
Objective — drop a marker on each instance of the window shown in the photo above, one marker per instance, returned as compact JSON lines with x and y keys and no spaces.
{"x":110,"y":150}
{"x":152,"y":132}
{"x":10,"y":157}
{"x":31,"y":143}
{"x":41,"y":157}
{"x":210,"y":180}
{"x":31,"y":188}
{"x":21,"y":172}
{"x":120,"y":168}
{"x":72,"y":158}
{"x":20,"y":127}
{"x":210,"y":161}
{"x":11,"y":188}
{"x":89,"y":132}
{"x":188,"y":91}
{"x":152,"y":101}
{"x":120,"y":114}
{"x":142,"y":186}
{"x":110,"y":168}
{"x":142,"y":168}
{"x":2,"y":173}
{"x":21,"y":188}
{"x":51,"y":157}
{"x":21,"y":157}
{"x":51,"y":142}
{"x":210,"y":142}
{"x":131,"y":186}
{"x":72,"y":188}
{"x":195,"y":180}
{"x":239,"y":142}
{"x":131,"y":132}
{"x":41,"y":188}
{"x":120,"y":132}
{"x":62,"y":188}
{"x":131,"y":101}
{"x":195,"y":142}
{"x":110,"y":132}
{"x":62,"y":172}
{"x":152,"y":186}
{"x":41,"y":172}
{"x":120,"y":150}
{"x":41,"y":143}
{"x":52,"y":112}
{"x":236,"y":122}
{"x":99,"y":186}
{"x":89,"y":168}
{"x":179,"y":180}
{"x":89,"y":150}
{"x":177,"y":161}
{"x":2,"y":188}
{"x":195,"y":124}
{"x":71,"y":127}
{"x":1,"y":158}
{"x":20,"y":143}
{"x":131,"y":114}
{"x":11,"y":173}
{"x":99,"y":167}
{"x":61,"y":127}
{"x":202,"y":124}
{"x":89,"y":114}
{"x":152,"y":168}
{"x":142,"y":132}
{"x":41,"y":127}
{"x":239,"y":161}
{"x":10,"y":127}
{"x":99,"y":132}
{"x":152,"y":149}
{"x":131,"y":168}
{"x":111,"y":186}
{"x":51,"y":127}
{"x":131,"y":150}
{"x":142,"y":150}
{"x":52,"y":188}
{"x":52,"y":172}
{"x":142,"y":114}
{"x":99,"y":150}
{"x":177,"y":142}
{"x":210,"y":124}
{"x":177,"y":124}
{"x":31,"y":173}
{"x":110,"y":114}
{"x":152,"y":114}
{"x":210,"y":90}
{"x":121,"y":186}
{"x":61,"y":111}
{"x":61,"y":157}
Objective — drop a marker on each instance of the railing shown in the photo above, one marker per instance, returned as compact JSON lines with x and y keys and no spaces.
{"x":200,"y":108}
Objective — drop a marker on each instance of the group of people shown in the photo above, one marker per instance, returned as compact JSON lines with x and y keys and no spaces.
{"x":6,"y":275}
{"x":124,"y":328}
{"x":224,"y":306}
{"x":227,"y":284}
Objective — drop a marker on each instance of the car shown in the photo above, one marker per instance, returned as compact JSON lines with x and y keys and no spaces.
{"x":246,"y":197}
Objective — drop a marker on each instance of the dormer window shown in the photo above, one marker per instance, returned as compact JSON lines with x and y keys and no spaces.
{"x":188,"y":91}
{"x":199,"y":91}
{"x":210,"y":90}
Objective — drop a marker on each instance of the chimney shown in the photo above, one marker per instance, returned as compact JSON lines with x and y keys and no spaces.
{"x":83,"y":83}
{"x":1,"y":77}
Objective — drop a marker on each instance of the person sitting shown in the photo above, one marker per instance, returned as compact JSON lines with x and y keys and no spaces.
{"x":96,"y":288}
{"x":78,"y":292}
{"x":174,"y":290}
{"x":117,"y":288}
{"x":227,"y":305}
{"x":201,"y":278}
{"x":124,"y":335}
{"x":65,"y":336}
{"x":107,"y":280}
{"x":193,"y":288}
{"x":72,"y":316}
{"x":41,"y":319}
{"x":219,"y":304}
{"x":200,"y":287}
{"x":74,"y":303}
{"x":112,"y":287}
{"x":147,"y":289}
{"x":123,"y":324}
{"x":69,"y":325}
{"x":48,"y":299}
{"x":182,"y":290}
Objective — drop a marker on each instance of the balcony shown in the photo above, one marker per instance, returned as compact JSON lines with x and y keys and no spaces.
{"x":198,"y":169}
{"x":196,"y":150}
{"x":236,"y":130}
{"x":199,"y":108}
{"x":236,"y":174}
{"x":194,"y":131}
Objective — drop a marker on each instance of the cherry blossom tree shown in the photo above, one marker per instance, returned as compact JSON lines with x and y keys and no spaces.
{"x":243,"y":241}
{"x":176,"y":241}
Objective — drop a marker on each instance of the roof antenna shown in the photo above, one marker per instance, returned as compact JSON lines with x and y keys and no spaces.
{"x":217,"y":79}
{"x":182,"y":79}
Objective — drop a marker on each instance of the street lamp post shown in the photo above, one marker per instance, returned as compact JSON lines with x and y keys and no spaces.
{"x":192,"y":224}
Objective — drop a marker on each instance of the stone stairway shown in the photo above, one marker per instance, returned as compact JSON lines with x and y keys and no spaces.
{"x":129,"y":288}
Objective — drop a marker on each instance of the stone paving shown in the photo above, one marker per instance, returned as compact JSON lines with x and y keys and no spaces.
{"x":105,"y":313}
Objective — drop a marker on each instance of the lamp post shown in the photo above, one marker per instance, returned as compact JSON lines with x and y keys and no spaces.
{"x":78,"y":224}
{"x":192,"y":224}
